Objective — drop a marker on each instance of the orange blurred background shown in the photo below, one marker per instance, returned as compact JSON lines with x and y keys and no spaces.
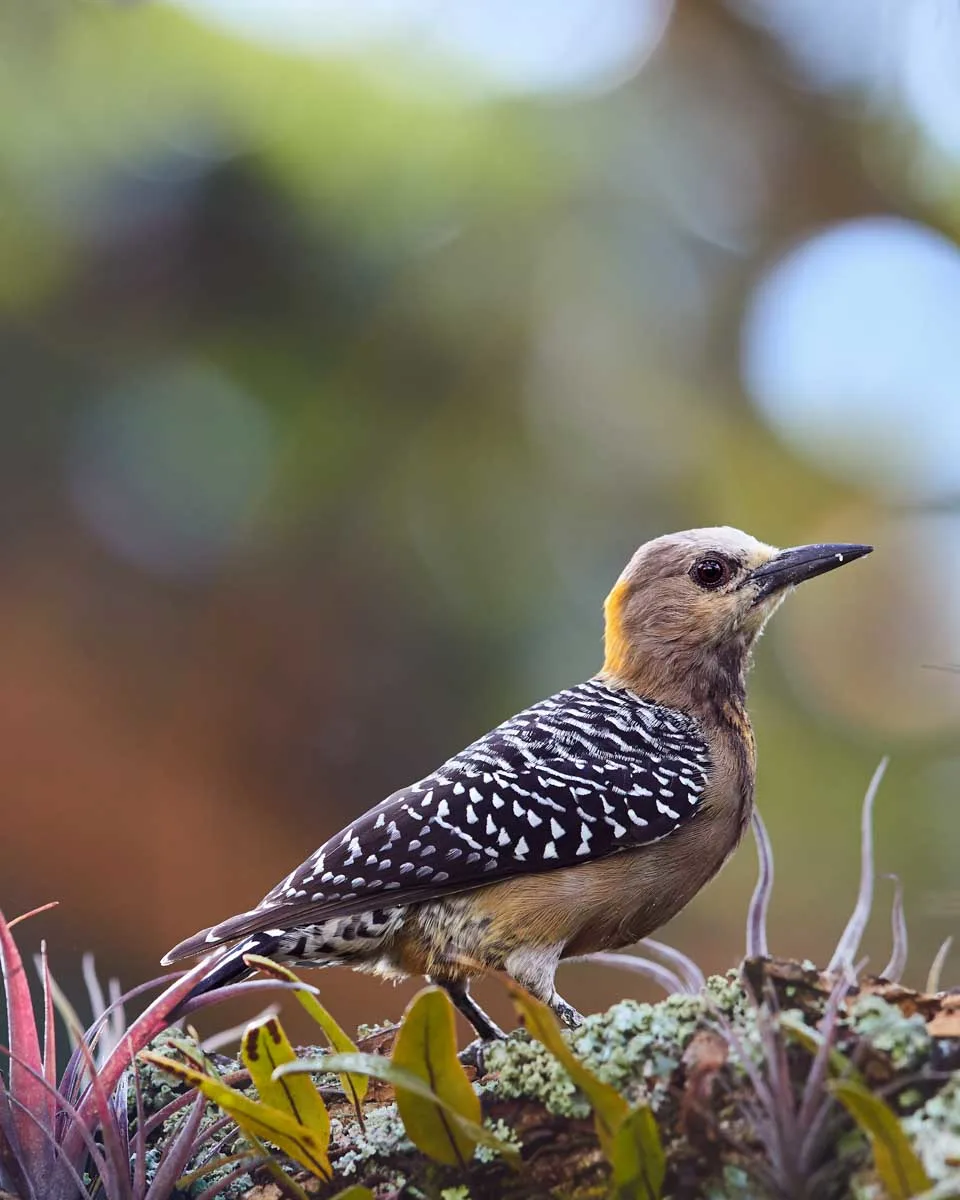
{"x":349,"y":351}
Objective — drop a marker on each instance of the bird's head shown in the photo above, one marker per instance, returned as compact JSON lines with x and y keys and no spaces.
{"x":688,"y":607}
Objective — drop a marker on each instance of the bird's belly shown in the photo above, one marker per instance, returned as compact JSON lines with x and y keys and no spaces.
{"x":629,"y":899}
{"x":605,"y":904}
{"x":599,"y":905}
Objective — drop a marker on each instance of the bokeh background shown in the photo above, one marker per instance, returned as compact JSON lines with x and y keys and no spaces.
{"x":349,"y":349}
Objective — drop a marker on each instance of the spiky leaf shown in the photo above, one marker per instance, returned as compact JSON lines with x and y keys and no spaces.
{"x":29,"y":1113}
{"x":610,"y":1109}
{"x":354,"y":1086}
{"x":812,"y":1040}
{"x":637,"y":1158}
{"x":426,"y":1046}
{"x":377,"y":1067}
{"x":261,"y":1121}
{"x":263,"y":1048}
{"x":900,"y":1170}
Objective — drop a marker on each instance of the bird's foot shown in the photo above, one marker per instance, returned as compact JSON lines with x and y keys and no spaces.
{"x":475,"y":1054}
{"x":566,"y":1012}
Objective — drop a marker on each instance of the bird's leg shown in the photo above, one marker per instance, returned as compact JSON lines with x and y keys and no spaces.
{"x":489,"y":1031}
{"x":536,"y":972}
{"x":566,"y":1012}
{"x":459,"y":992}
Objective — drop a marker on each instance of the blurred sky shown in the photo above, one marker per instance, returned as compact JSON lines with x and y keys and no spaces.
{"x":350,"y":350}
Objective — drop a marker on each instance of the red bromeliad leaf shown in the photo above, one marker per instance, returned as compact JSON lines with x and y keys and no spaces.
{"x":49,"y":1036}
{"x":46,"y":1185}
{"x":144,"y":1029}
{"x":25,"y":1061}
{"x":34,"y":912}
{"x":115,"y":1169}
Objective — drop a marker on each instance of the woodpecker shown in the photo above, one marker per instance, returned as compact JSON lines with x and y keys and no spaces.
{"x":583,"y":823}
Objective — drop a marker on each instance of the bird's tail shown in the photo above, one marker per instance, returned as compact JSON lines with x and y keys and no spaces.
{"x":231,"y":968}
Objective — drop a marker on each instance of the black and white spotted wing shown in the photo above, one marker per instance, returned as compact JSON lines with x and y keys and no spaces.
{"x":591,"y":771}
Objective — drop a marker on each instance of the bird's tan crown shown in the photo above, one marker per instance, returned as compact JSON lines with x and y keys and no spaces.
{"x":687,"y":608}
{"x":661,"y":627}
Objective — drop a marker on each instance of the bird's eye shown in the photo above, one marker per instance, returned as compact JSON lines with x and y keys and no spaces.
{"x":710,"y":573}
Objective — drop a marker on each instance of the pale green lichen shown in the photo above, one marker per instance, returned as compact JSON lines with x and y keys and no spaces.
{"x":633,"y":1046}
{"x":365,"y":1030}
{"x":383,"y":1137}
{"x":455,"y":1193}
{"x":866,"y":1185}
{"x":524,"y":1068}
{"x":501,"y":1130}
{"x":904,"y":1039}
{"x":734,"y":1184}
{"x":935,"y":1132}
{"x":727,"y":994}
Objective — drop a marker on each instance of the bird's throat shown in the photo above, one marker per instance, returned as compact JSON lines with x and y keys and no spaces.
{"x":707,"y":680}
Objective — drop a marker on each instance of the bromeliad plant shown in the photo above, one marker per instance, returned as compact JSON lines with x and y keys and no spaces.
{"x":437,"y":1104}
{"x":793,"y":1081}
{"x":801,"y":1086}
{"x":67,"y":1136}
{"x":290,"y":1115}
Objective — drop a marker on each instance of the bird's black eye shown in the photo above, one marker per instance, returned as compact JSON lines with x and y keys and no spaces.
{"x":711,"y":573}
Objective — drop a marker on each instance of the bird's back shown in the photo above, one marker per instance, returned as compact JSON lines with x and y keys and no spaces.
{"x":588,"y":773}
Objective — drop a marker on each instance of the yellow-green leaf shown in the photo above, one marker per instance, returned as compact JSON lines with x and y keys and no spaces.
{"x":610,"y":1109}
{"x":637,"y":1158}
{"x":897,"y":1163}
{"x":377,"y":1067}
{"x":269,"y":1163}
{"x":426,"y":1046}
{"x":263,"y":1048}
{"x":357,"y":1192}
{"x":354,"y":1086}
{"x":946,"y":1189}
{"x":255,"y":1118}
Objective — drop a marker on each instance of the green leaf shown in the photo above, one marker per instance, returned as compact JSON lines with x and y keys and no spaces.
{"x":637,"y":1158}
{"x":268,"y":1161}
{"x":377,"y":1067}
{"x":610,"y":1109}
{"x":357,"y":1192}
{"x":946,"y":1189}
{"x":263,"y":1048}
{"x":354,"y":1086}
{"x":426,"y":1046}
{"x":256,"y":1119}
{"x":898,"y":1166}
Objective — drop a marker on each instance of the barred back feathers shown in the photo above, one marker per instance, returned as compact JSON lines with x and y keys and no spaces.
{"x":586,"y":773}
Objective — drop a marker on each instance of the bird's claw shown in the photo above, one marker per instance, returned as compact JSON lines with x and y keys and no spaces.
{"x":475,"y":1054}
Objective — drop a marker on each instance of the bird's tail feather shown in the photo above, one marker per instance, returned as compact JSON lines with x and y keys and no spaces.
{"x":231,"y":968}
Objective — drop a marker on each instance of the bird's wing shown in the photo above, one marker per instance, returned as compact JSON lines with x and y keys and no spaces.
{"x":586,"y":773}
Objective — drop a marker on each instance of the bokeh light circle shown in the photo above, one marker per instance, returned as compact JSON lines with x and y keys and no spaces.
{"x":851,"y":351}
{"x":929,"y":71}
{"x":169,"y":471}
{"x":538,"y":46}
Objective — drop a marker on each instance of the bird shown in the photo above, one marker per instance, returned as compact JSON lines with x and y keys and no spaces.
{"x":581,"y":824}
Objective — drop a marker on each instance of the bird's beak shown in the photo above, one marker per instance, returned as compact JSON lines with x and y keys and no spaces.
{"x":799,"y":563}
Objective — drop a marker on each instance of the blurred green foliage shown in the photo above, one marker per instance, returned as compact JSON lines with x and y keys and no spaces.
{"x":336,"y":396}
